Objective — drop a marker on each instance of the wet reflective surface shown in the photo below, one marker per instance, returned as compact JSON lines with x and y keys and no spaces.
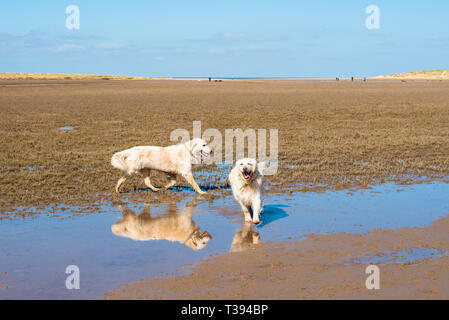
{"x":118,"y":244}
{"x":171,"y":226}
{"x":68,"y":128}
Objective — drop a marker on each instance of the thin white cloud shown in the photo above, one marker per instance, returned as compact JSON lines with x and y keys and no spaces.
{"x":168,"y":50}
{"x":70,"y":47}
{"x":236,"y":37}
{"x":108,"y":45}
{"x":245,"y":37}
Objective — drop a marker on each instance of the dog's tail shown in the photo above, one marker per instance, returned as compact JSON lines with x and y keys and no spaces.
{"x":118,"y":161}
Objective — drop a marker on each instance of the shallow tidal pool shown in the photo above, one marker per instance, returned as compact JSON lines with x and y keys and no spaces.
{"x":118,"y":245}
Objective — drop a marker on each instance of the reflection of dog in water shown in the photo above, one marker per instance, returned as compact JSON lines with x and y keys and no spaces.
{"x":170,"y":226}
{"x":245,"y":238}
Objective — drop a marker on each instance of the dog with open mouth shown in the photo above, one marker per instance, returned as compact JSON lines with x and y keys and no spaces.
{"x":246,"y":180}
{"x":173,"y":160}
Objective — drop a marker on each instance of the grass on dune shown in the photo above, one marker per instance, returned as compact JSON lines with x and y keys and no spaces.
{"x":61,"y":76}
{"x":423,"y":74}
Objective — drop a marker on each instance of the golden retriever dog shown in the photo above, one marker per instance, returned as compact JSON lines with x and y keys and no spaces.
{"x":245,"y":238}
{"x":246,"y":180}
{"x":171,"y":226}
{"x":174,"y":160}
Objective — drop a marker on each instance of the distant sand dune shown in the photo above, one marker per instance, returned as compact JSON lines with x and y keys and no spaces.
{"x":62,"y":76}
{"x":424,"y":74}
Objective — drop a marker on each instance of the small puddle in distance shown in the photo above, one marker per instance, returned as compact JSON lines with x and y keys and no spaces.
{"x":66,"y":128}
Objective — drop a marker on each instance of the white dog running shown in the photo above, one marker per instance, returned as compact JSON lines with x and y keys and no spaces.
{"x":246,"y":181}
{"x":174,"y":160}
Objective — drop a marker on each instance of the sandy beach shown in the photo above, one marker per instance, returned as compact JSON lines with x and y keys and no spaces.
{"x":321,"y":267}
{"x":337,"y":140}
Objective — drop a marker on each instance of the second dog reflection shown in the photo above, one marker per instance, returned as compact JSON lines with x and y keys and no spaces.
{"x":245,"y":238}
{"x":170,"y":226}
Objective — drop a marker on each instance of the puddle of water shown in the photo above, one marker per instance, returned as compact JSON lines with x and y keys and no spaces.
{"x":126,"y":243}
{"x":403,"y":256}
{"x":361,"y":211}
{"x":216,"y":177}
{"x":68,"y":128}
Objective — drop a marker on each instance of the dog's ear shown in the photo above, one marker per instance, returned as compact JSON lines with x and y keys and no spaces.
{"x":192,"y":143}
{"x":261,"y":166}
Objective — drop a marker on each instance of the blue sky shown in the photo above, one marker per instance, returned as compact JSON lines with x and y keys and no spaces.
{"x":224,"y":38}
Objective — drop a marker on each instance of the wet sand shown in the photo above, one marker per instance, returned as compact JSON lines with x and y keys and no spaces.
{"x":306,"y":228}
{"x":57,"y":207}
{"x":332,"y":134}
{"x":321,"y":267}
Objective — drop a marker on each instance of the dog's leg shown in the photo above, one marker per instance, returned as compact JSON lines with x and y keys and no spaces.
{"x":246,"y":213}
{"x":256,"y":238}
{"x":171,"y":183}
{"x":146,"y":211}
{"x":257,"y":208}
{"x":172,"y":210}
{"x":146,"y":174}
{"x":246,"y":228}
{"x":189,"y":178}
{"x":120,"y":182}
{"x":194,"y":201}
{"x":248,"y":233}
{"x":126,"y":211}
